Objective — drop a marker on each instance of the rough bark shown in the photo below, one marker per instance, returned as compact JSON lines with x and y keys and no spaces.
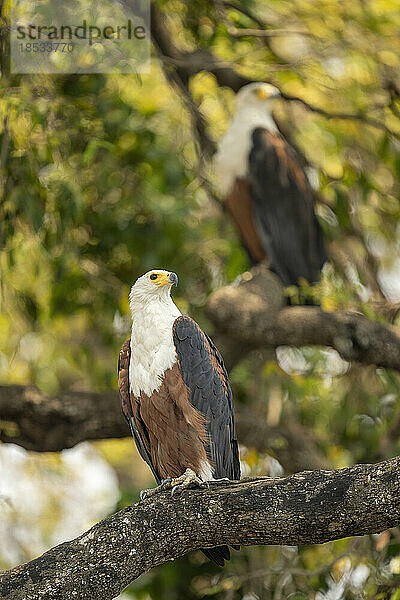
{"x":247,"y":317}
{"x":307,"y":508}
{"x":36,"y":422}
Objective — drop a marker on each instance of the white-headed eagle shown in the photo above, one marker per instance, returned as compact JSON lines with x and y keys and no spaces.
{"x":175,"y":394}
{"x":266,"y":190}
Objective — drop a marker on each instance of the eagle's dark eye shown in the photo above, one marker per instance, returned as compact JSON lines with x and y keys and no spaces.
{"x":153,"y":276}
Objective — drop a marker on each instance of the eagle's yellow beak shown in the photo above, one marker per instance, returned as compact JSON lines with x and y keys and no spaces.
{"x":266,"y":92}
{"x":166,"y":279}
{"x":262,"y":93}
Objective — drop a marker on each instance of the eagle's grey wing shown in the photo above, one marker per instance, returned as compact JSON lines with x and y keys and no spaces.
{"x":205,"y":376}
{"x":283,"y":203}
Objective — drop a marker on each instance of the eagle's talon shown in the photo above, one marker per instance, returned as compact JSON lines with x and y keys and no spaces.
{"x":144,"y":494}
{"x":174,"y":492}
{"x":164,"y":485}
{"x":187,"y":480}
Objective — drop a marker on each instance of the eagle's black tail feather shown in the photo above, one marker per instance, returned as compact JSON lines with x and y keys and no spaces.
{"x":219,"y":554}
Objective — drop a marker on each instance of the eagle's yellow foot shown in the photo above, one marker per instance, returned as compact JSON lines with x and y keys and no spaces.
{"x":188,"y":479}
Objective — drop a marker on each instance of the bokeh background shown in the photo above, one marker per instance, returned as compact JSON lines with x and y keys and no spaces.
{"x":101,"y":181}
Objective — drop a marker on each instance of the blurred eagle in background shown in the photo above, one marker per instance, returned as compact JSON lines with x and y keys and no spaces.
{"x":175,"y":394}
{"x":266,"y":190}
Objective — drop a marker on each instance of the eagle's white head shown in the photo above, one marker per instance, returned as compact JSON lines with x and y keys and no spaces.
{"x":152,"y":287}
{"x":254,"y":105}
{"x":257,"y":96}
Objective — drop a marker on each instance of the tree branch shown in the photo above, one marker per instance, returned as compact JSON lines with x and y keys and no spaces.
{"x":179,"y":78}
{"x":266,"y":33}
{"x":307,"y":508}
{"x":246,"y":317}
{"x":36,"y":422}
{"x":188,"y":64}
{"x":344,"y":116}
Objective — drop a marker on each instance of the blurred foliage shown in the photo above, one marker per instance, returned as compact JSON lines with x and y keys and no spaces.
{"x":99,"y":183}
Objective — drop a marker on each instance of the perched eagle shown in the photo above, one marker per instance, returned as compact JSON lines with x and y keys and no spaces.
{"x":267,"y":192}
{"x":175,"y":394}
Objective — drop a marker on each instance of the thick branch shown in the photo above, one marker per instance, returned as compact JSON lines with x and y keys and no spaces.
{"x":34,"y":421}
{"x":306,"y":508}
{"x":246,"y":317}
{"x":179,"y":78}
{"x":188,"y":64}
